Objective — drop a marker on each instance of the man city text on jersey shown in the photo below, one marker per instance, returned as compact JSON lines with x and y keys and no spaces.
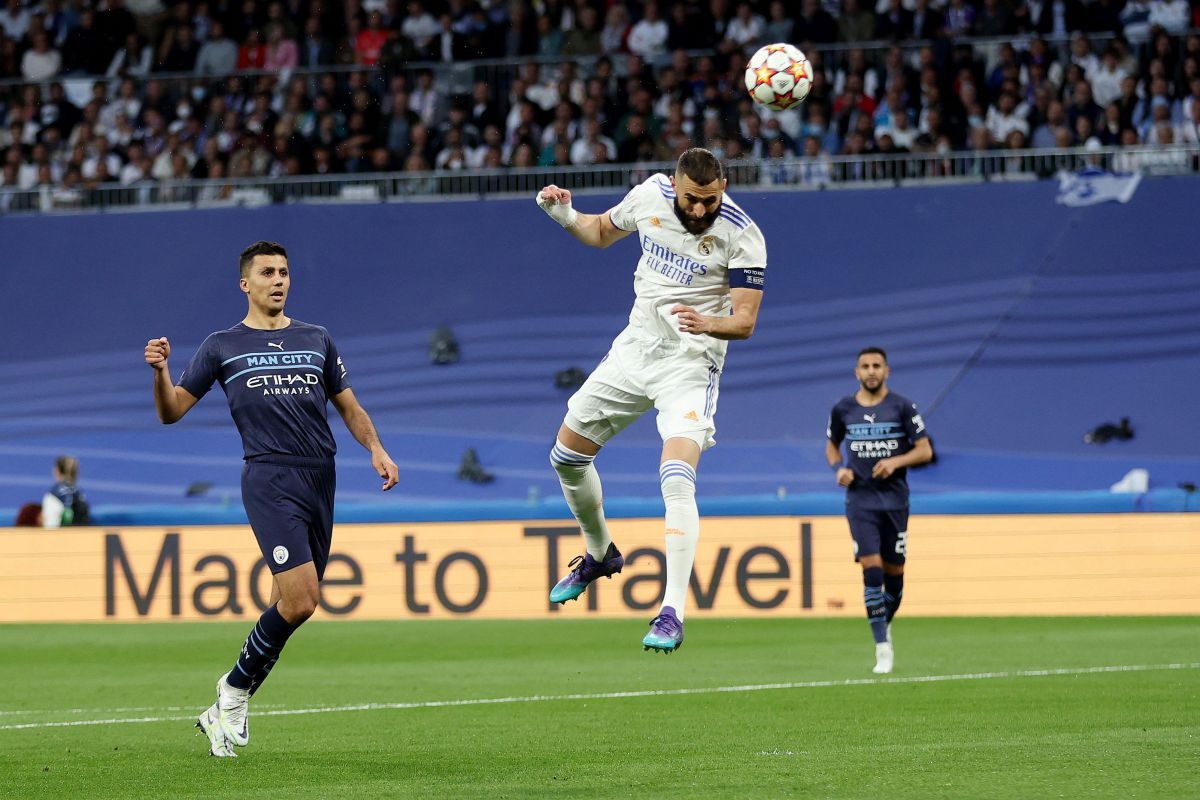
{"x":277,"y":382}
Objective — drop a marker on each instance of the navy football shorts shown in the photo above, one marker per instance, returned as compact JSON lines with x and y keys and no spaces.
{"x":289,"y":500}
{"x":883,"y":533}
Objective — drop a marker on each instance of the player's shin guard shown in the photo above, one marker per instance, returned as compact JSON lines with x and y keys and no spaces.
{"x":893,"y":593}
{"x":876,"y":609}
{"x":581,"y":487}
{"x":678,"y":481}
{"x":261,"y":650}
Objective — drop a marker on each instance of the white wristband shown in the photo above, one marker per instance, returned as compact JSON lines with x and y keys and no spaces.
{"x":562,"y":213}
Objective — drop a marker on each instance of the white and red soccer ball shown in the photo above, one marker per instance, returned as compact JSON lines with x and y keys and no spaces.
{"x":778,"y":76}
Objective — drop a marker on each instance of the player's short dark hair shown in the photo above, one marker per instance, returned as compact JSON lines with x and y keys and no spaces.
{"x":259,"y":248}
{"x":700,"y":165}
{"x":869,"y":350}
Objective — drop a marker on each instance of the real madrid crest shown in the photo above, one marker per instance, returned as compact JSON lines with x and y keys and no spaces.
{"x":706,"y":245}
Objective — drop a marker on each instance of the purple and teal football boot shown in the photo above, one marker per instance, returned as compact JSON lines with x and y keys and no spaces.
{"x":584,"y":570}
{"x":666,"y":632}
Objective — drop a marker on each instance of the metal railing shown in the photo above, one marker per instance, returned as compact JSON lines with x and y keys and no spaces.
{"x":824,"y":172}
{"x":459,"y":76}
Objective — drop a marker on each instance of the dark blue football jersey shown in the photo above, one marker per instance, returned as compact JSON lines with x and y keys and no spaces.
{"x":277,"y":383}
{"x":872,"y":433}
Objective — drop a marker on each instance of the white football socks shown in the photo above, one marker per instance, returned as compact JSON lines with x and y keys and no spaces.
{"x":581,"y":487}
{"x":678,"y":481}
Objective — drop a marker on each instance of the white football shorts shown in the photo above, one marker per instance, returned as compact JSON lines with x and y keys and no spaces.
{"x":638,"y":375}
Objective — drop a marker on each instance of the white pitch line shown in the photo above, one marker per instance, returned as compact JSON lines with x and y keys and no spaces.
{"x":125,"y":710}
{"x":548,"y":698}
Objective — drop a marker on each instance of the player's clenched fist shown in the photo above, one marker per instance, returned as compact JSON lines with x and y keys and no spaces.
{"x":557,"y":203}
{"x":157,"y":351}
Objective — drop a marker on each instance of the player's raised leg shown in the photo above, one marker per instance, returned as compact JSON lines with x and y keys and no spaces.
{"x":300,"y":593}
{"x":677,"y":479}
{"x":572,"y":458}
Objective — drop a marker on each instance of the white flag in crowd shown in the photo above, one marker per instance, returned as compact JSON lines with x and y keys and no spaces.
{"x":1092,"y":185}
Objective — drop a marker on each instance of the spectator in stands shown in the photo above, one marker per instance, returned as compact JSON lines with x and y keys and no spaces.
{"x":41,"y":61}
{"x":928,"y":23}
{"x":64,"y":504}
{"x":1189,"y":129}
{"x":856,"y":24}
{"x":994,"y":19}
{"x":1104,"y":16}
{"x":282,"y":53}
{"x":219,"y":54}
{"x":179,"y":51}
{"x":1158,"y":129}
{"x":1173,"y":16}
{"x":252,"y":55}
{"x":1135,"y":18}
{"x":425,"y":99}
{"x":896,"y":22}
{"x":779,"y":25}
{"x":14,"y":19}
{"x":615,"y":30}
{"x":1082,"y":105}
{"x":419,"y":26}
{"x":745,"y":31}
{"x":899,"y":129}
{"x":960,"y":18}
{"x":648,"y":36}
{"x":135,"y":59}
{"x":815,"y":24}
{"x":1107,"y":78}
{"x":315,"y":49}
{"x":851,"y":104}
{"x":29,"y":516}
{"x":1109,"y":130}
{"x":584,"y":38}
{"x":591,"y":142}
{"x":817,"y":127}
{"x":1045,"y":134}
{"x":370,"y":41}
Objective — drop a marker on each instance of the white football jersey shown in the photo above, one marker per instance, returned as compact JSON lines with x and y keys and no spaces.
{"x":678,"y":267}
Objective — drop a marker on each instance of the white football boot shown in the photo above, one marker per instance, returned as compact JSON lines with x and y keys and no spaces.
{"x":884,"y":658}
{"x":209,"y":724}
{"x":233,"y":709}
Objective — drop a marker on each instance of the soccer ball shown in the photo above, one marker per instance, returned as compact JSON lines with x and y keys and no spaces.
{"x":778,"y":76}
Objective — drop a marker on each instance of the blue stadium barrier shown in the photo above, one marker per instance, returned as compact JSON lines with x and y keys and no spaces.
{"x":1015,"y":323}
{"x":813,"y":504}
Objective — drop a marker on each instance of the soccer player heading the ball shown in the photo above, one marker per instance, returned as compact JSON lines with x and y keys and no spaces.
{"x":698,"y":284}
{"x":278,"y":374}
{"x":886,"y":435}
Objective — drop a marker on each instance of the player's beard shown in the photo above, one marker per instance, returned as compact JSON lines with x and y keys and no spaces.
{"x":696,"y":225}
{"x":872,"y":390}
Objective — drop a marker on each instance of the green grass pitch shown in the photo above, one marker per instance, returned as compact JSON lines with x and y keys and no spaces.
{"x":965,"y":715}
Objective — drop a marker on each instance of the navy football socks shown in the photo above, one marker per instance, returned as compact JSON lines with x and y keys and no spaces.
{"x":893,"y":593}
{"x":876,"y":608}
{"x":260,"y":651}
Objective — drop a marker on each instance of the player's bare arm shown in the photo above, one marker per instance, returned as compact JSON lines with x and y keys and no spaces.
{"x":921,"y":453}
{"x":844,"y":475}
{"x":594,"y":230}
{"x":738,"y":325}
{"x":358,"y":422}
{"x":170,"y":401}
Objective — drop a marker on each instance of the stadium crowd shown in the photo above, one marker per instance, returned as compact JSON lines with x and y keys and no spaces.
{"x":619,"y":81}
